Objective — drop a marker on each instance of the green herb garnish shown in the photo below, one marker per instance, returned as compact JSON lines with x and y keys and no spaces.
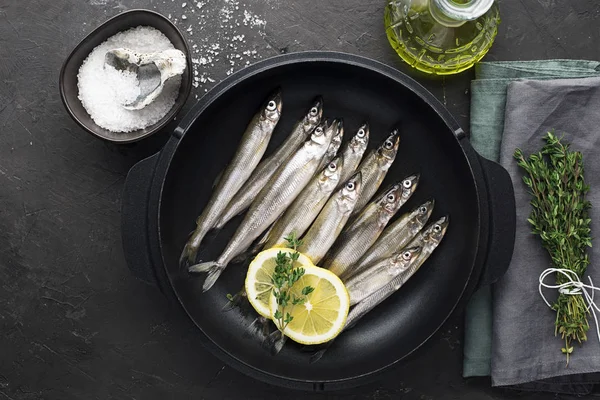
{"x":559,"y":215}
{"x":284,"y":277}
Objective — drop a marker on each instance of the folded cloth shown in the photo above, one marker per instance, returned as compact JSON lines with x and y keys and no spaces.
{"x":488,"y":100}
{"x":524,"y":347}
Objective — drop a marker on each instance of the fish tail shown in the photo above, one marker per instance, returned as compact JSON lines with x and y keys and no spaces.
{"x":319,"y":353}
{"x":252,"y":329}
{"x":188,"y":254}
{"x":190,"y":250}
{"x":214,"y":271}
{"x":212,"y":268}
{"x":202,"y":267}
{"x":274,"y":342}
{"x":258,"y":328}
{"x":317,"y":356}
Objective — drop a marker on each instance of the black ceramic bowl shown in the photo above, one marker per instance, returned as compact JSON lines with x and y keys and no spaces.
{"x":68,"y":73}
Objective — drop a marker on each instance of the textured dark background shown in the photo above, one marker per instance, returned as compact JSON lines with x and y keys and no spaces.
{"x":73,"y":323}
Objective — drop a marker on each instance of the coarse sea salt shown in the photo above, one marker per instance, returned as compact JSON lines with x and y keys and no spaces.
{"x":103,"y":90}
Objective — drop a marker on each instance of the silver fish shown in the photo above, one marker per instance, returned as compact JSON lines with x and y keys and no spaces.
{"x":338,"y":135}
{"x":429,"y":241}
{"x":397,"y":235}
{"x":354,"y":151}
{"x":248,"y":154}
{"x":374,"y":168}
{"x":303,"y":211}
{"x":331,"y":220}
{"x":269,"y":165}
{"x":377,"y":275}
{"x":281,"y":190}
{"x":426,"y":241}
{"x":321,"y":236}
{"x":363,"y":231}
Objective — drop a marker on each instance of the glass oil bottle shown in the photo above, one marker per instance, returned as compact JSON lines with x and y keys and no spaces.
{"x":441,"y":37}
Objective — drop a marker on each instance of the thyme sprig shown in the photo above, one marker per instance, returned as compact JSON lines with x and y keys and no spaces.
{"x":283,"y":278}
{"x":559,"y":215}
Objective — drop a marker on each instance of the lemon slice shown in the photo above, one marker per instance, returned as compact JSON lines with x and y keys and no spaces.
{"x":323,"y":315}
{"x":258,"y":279}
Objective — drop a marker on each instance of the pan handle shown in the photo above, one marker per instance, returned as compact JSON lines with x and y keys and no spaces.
{"x":502,"y":221}
{"x":134,"y":220}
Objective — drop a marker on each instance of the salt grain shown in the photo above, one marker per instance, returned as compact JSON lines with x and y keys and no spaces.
{"x":222,"y":25}
{"x":102,"y":91}
{"x":183,"y":17}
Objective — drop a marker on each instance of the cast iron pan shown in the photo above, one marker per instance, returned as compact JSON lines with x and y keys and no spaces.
{"x":166,"y":192}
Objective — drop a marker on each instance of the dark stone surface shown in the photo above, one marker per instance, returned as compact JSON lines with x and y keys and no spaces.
{"x":74,"y":324}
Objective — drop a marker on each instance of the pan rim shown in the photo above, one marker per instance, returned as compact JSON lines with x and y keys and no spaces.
{"x":170,"y":149}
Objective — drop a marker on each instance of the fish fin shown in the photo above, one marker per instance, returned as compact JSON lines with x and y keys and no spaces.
{"x":274,"y":342}
{"x":317,"y":356}
{"x":190,"y":250}
{"x":263,"y":240}
{"x":217,"y":179}
{"x":258,"y":328}
{"x":220,"y":224}
{"x":188,"y":254}
{"x":320,"y":352}
{"x":183,"y":258}
{"x":212,"y":268}
{"x":202,"y":267}
{"x":214,"y":271}
{"x":352,"y":323}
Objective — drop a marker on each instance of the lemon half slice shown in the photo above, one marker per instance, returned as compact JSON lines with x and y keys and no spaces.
{"x":258,"y":279}
{"x":323,"y":316}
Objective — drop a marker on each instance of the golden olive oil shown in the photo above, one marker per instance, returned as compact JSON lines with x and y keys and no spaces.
{"x":436,"y":42}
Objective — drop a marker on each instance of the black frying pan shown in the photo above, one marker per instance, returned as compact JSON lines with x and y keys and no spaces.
{"x":166,"y":192}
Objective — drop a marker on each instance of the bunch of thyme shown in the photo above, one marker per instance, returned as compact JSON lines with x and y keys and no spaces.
{"x":284,"y":277}
{"x":559,"y":215}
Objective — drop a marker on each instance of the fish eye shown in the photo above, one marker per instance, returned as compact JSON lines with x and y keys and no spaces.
{"x":332,"y":167}
{"x":423,"y":210}
{"x":406,"y":255}
{"x":360,"y":133}
{"x":388,"y":144}
{"x":319,"y":130}
{"x":407,"y":183}
{"x":437,"y":228}
{"x":350,"y":186}
{"x":314,"y":111}
{"x":391,"y":197}
{"x":271,"y":106}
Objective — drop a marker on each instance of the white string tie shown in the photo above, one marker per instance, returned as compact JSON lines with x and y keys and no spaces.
{"x":573,"y":286}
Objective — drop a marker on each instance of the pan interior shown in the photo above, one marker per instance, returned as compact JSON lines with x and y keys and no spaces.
{"x":427,"y":146}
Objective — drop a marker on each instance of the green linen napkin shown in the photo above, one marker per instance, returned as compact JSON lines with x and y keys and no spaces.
{"x":488,"y":100}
